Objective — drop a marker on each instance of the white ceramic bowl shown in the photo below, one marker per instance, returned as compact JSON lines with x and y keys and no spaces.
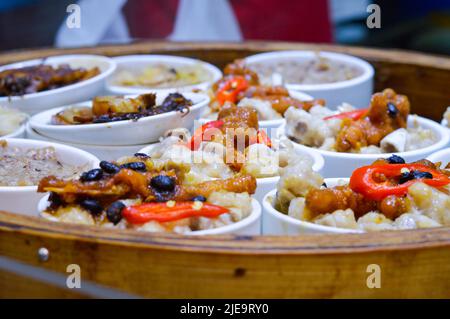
{"x":249,"y":226}
{"x":442,"y":156}
{"x":136,"y":63}
{"x":267,"y":183}
{"x":36,"y":102}
{"x":356,"y":91}
{"x":128,"y":132}
{"x":277,"y":223}
{"x":24,"y":199}
{"x":343,"y":164}
{"x":273,"y":124}
{"x":107,"y":153}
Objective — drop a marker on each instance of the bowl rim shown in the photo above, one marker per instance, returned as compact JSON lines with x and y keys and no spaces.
{"x":437,"y":156}
{"x":277,"y":122}
{"x":318,"y":162}
{"x":29,"y":143}
{"x":58,"y":59}
{"x":38,"y":126}
{"x":268,"y":207}
{"x":122,"y":60}
{"x":255,"y":214}
{"x":368,"y":70}
{"x":443,"y":138}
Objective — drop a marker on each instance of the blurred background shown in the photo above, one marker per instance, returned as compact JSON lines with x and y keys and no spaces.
{"x":406,"y":24}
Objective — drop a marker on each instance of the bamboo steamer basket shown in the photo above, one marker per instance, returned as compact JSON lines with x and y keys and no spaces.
{"x":413,"y":264}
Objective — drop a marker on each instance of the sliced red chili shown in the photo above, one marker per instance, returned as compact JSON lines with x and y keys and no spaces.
{"x":161,"y":212}
{"x":366,"y":180}
{"x":354,"y":115}
{"x":229,"y":91}
{"x":199,"y":133}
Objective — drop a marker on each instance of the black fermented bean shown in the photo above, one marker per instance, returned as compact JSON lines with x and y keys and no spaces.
{"x":114,"y":212}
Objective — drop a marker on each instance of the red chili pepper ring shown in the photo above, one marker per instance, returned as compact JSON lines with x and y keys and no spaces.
{"x":379,"y":181}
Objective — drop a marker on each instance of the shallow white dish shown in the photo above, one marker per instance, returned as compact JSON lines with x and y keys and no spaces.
{"x":442,"y":156}
{"x":128,"y":132}
{"x":267,"y":183}
{"x":249,"y":226}
{"x":277,"y":223}
{"x":343,"y":164}
{"x":107,"y":153}
{"x":24,"y":199}
{"x":273,"y":124}
{"x":357,"y":91}
{"x":36,"y":102}
{"x":140,"y":62}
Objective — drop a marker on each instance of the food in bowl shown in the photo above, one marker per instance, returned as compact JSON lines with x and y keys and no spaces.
{"x":387,"y":195}
{"x":42,"y":77}
{"x":382,"y":128}
{"x":20,"y":167}
{"x":164,"y":76}
{"x":307,"y":70}
{"x":241,"y":86}
{"x":10,"y":120}
{"x":231,"y":145}
{"x":117,"y":108}
{"x":140,"y":193}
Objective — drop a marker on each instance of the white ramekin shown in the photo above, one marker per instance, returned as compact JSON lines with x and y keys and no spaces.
{"x":19,"y":133}
{"x":107,"y":153}
{"x":36,"y":102}
{"x":343,"y":164}
{"x":139,"y":62}
{"x":249,"y":226}
{"x":277,"y":223}
{"x":356,"y":91}
{"x":24,"y":199}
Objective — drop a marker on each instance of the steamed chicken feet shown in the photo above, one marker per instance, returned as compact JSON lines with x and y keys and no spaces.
{"x":42,"y":77}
